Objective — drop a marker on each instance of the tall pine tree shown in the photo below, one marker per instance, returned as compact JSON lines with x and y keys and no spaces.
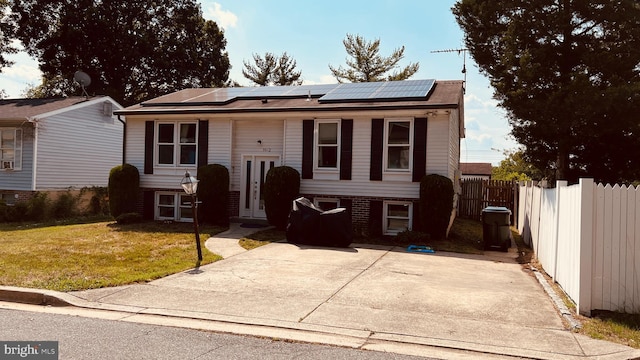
{"x":568,"y":74}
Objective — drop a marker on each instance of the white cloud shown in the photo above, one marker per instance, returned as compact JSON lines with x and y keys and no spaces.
{"x":324,"y":79}
{"x":224,"y":18}
{"x":22,"y":72}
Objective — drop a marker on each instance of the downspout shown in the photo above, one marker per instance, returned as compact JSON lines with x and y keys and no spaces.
{"x":124,"y":139}
{"x":34,"y":166}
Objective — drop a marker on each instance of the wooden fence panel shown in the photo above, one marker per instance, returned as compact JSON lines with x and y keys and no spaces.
{"x":477,"y":194}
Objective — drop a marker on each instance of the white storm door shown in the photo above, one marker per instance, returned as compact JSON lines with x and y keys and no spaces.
{"x":254,"y":175}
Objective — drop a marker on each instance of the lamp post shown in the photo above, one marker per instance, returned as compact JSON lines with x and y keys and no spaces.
{"x":190,"y":186}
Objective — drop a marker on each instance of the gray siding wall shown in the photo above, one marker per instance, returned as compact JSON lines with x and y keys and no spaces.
{"x":77,"y":148}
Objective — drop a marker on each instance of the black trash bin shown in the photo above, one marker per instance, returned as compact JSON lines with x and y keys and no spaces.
{"x":495,"y":227}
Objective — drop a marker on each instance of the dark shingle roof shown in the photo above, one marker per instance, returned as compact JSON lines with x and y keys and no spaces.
{"x":475,"y":168}
{"x":21,"y":109}
{"x":444,"y":94}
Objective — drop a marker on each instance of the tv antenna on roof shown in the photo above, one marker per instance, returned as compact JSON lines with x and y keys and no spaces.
{"x":84,"y":80}
{"x":464,"y":61}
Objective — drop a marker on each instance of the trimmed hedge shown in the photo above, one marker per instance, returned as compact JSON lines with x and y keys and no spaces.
{"x":281,"y":187}
{"x":436,"y":204}
{"x":124,"y":185}
{"x":213,"y":192}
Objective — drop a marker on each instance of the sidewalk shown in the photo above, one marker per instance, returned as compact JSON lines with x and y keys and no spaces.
{"x":443,"y":305}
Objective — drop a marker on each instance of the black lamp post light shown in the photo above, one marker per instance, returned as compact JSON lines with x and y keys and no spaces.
{"x":190,"y":186}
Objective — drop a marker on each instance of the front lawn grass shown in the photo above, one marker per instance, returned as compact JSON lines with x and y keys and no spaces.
{"x":94,"y":255}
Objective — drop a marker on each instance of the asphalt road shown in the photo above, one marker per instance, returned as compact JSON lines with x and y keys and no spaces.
{"x":90,"y":338}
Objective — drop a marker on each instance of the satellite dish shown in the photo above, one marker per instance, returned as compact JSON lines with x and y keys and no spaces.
{"x":84,"y":80}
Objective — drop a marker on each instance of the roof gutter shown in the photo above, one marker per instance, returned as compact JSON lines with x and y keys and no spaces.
{"x":210,"y":110}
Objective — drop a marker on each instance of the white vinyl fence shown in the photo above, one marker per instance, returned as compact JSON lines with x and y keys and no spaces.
{"x":587,"y":238}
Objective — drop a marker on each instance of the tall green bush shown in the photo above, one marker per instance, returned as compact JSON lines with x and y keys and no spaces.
{"x":213,"y":192}
{"x":436,"y":204}
{"x":124,"y":185}
{"x":281,"y":187}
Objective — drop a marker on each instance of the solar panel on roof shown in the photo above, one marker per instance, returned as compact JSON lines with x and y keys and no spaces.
{"x":367,"y":91}
{"x":406,"y":89}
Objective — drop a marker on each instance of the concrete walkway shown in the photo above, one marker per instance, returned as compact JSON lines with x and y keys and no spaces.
{"x":443,"y":305}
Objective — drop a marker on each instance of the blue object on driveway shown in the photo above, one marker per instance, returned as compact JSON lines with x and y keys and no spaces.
{"x":420,"y":248}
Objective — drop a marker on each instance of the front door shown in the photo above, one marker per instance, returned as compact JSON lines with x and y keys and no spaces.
{"x":255,"y":168}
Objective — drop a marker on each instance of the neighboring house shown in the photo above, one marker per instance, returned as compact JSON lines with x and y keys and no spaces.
{"x":362,"y":146}
{"x":476,"y":170}
{"x":56,"y":144}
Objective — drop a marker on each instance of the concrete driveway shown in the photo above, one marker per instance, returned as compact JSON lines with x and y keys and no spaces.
{"x":442,"y":305}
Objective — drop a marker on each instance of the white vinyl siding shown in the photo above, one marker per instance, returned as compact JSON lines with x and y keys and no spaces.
{"x":438,"y":145}
{"x":293,"y":144}
{"x":454,"y":144}
{"x":220,"y":142}
{"x":232,"y":138}
{"x":77,"y":148}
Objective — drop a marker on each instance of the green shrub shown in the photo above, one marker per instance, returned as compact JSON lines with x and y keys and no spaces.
{"x":64,"y":206}
{"x":4,"y":208}
{"x":124,"y":185}
{"x":38,"y":207}
{"x":129,"y":218}
{"x":281,"y":187}
{"x":436,"y":204}
{"x":18,"y":212}
{"x":213,"y":192}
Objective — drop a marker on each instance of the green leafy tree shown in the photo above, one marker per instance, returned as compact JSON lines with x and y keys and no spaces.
{"x":51,"y":86}
{"x":515,"y":167}
{"x":367,"y":65}
{"x":272,"y":70}
{"x":6,"y":34}
{"x":132,"y":50}
{"x":567,"y":73}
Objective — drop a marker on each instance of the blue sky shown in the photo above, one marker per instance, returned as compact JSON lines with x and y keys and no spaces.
{"x":312,"y":32}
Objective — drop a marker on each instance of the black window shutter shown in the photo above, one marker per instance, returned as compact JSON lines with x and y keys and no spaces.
{"x":419,"y":149}
{"x":346,"y":145}
{"x":375,"y":218}
{"x":148,"y":147}
{"x":148,"y":205}
{"x":377,"y":143}
{"x":203,"y":142}
{"x":307,"y":149}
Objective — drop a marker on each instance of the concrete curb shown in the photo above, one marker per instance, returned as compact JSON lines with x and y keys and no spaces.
{"x":562,"y":308}
{"x":32,"y":296}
